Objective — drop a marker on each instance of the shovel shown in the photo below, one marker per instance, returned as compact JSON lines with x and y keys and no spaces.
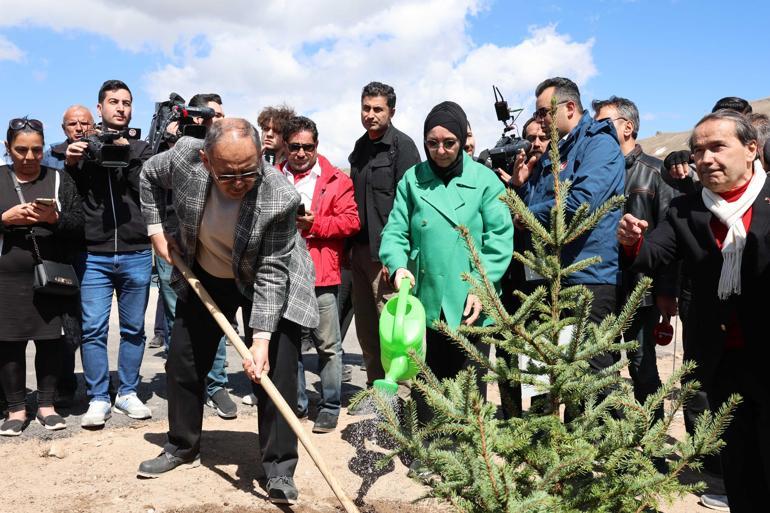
{"x":267,"y":384}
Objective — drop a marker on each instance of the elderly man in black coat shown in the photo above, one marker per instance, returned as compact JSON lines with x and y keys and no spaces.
{"x":722,"y":234}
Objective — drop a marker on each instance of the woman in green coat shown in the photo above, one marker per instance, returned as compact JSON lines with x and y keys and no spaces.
{"x":421,"y":241}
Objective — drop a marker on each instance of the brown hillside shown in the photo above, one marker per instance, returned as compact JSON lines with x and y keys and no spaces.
{"x":662,"y":143}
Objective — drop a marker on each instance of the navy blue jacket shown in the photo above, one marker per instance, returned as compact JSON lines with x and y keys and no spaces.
{"x":592,"y":160}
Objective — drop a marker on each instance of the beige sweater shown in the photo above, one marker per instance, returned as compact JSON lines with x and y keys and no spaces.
{"x":217,"y":234}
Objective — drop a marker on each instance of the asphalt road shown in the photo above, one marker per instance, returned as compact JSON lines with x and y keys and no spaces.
{"x":152,"y":389}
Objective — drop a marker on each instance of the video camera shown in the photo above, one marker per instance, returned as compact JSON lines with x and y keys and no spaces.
{"x":103,"y":150}
{"x":175,"y":110}
{"x":503,"y":154}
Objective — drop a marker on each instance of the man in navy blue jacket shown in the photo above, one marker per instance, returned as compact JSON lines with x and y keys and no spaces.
{"x":591,"y":159}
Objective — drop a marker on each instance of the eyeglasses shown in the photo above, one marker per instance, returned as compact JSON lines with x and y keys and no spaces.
{"x":20,"y":123}
{"x":542,"y":112}
{"x":245,"y":177}
{"x":448,"y":144}
{"x":307,"y":148}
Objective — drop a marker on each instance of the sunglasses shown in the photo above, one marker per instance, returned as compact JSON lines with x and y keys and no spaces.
{"x":448,"y":144}
{"x":245,"y":177}
{"x":542,"y":112}
{"x":20,"y":123}
{"x":307,"y":148}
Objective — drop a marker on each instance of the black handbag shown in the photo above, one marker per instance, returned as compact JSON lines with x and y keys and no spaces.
{"x":50,"y":277}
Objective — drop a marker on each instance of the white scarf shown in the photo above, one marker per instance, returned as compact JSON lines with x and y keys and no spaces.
{"x":731,"y":215}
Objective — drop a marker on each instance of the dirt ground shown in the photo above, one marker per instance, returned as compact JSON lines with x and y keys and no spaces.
{"x":79,"y":471}
{"x":95,"y":472}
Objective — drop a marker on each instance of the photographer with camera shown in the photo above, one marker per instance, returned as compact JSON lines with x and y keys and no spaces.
{"x":105,"y":167}
{"x":77,"y":121}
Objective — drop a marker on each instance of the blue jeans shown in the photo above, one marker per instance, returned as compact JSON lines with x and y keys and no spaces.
{"x":217,"y":377}
{"x":327,"y":341}
{"x":128,"y":275}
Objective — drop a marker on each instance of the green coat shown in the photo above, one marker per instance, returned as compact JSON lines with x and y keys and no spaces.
{"x":420,"y":235}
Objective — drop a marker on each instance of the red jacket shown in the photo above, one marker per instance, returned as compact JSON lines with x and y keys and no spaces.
{"x":336,"y":219}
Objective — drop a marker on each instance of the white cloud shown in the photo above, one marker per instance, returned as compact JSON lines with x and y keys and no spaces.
{"x":9,"y":51}
{"x":316,"y":56}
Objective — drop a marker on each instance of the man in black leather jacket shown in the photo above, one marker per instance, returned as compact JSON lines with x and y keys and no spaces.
{"x":647,"y":197}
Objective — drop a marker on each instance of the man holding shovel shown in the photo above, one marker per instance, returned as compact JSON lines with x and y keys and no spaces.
{"x":237,"y":232}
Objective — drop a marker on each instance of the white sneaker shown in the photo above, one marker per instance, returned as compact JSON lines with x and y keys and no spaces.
{"x":97,"y":414}
{"x":249,"y":400}
{"x":131,"y":405}
{"x":715,"y":502}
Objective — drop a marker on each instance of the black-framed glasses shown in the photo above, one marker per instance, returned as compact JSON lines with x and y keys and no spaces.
{"x":433,"y":145}
{"x":542,"y":112}
{"x":295,"y":147}
{"x":21,"y":123}
{"x":245,"y":177}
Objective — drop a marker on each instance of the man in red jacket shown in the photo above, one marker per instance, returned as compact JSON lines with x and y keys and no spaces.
{"x":330,"y":216}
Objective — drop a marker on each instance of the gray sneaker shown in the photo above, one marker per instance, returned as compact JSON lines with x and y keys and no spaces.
{"x":715,"y":502}
{"x":223,"y":404}
{"x":249,"y":400}
{"x":97,"y":414}
{"x":281,"y":490}
{"x":156,"y":342}
{"x":132,"y":406}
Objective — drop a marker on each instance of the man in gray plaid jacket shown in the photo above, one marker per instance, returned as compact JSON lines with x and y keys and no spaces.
{"x":237,"y":232}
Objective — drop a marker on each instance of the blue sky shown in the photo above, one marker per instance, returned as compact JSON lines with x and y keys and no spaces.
{"x":673,"y":58}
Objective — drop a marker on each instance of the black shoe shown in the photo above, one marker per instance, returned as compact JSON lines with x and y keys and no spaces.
{"x":325,"y":423}
{"x":223,"y":404}
{"x":163,"y":463}
{"x":347,"y":373}
{"x":52,"y":422}
{"x":156,"y":342}
{"x":12,"y":427}
{"x":281,"y":490}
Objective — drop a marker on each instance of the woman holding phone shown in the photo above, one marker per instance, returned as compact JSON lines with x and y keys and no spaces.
{"x":42,"y":219}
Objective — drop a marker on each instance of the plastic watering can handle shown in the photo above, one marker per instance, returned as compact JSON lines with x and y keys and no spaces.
{"x":403,"y":299}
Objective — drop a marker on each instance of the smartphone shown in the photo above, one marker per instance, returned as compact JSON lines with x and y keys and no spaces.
{"x":46,"y":201}
{"x":301,"y":210}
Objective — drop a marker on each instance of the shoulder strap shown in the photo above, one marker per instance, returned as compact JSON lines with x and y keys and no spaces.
{"x":16,"y":185}
{"x":57,"y":180}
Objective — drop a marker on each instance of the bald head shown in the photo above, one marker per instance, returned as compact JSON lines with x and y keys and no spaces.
{"x":76,"y":122}
{"x":231,"y":130}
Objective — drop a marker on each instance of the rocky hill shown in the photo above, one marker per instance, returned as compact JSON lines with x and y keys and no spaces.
{"x":662,"y":143}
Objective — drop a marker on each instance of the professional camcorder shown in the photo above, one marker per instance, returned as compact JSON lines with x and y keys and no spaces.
{"x":103,"y":150}
{"x":503,"y":154}
{"x":175,"y":110}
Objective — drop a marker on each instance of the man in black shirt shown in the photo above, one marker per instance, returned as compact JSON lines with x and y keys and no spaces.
{"x":379,"y":159}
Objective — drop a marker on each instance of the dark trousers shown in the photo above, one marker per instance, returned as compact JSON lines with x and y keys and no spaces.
{"x":445,"y":359}
{"x":194,"y":342}
{"x":13,"y":371}
{"x":642,"y":362}
{"x":746,"y":455}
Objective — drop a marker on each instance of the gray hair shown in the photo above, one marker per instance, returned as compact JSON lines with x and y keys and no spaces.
{"x":744,"y":131}
{"x":564,"y":89}
{"x":229,"y":125}
{"x":625,"y":107}
{"x":761,"y":123}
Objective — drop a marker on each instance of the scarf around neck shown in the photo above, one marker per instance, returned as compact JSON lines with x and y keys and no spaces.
{"x":731,"y":215}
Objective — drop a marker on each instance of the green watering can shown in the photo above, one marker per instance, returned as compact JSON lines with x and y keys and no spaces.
{"x":402,"y":329}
